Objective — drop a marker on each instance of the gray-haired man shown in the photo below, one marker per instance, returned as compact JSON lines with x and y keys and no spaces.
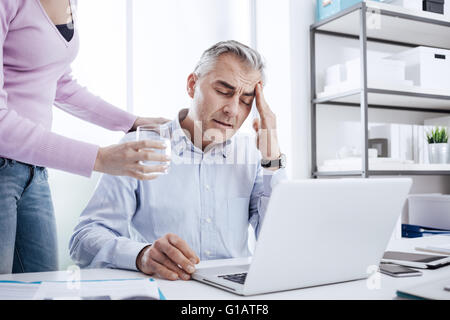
{"x":202,"y":208}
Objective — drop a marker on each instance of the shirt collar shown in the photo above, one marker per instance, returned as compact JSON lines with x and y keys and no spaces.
{"x":182,"y":143}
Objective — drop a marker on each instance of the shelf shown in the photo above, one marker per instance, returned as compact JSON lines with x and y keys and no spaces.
{"x":385,"y":23}
{"x":408,"y":99}
{"x":394,"y":24}
{"x":385,"y":170}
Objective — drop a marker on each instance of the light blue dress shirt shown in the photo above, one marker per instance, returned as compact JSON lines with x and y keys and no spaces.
{"x":207,"y":198}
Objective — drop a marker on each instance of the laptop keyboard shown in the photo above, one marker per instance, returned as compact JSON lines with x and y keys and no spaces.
{"x":237,"y":277}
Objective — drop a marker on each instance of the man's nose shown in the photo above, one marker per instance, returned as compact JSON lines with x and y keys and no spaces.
{"x":232,"y":107}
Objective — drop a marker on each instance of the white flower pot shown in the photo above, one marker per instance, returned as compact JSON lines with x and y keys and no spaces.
{"x":439,"y":152}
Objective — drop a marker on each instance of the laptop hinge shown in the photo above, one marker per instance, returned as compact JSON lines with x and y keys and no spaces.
{"x":218,"y":284}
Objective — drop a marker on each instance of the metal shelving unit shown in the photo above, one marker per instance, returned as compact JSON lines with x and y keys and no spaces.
{"x":399,"y":27}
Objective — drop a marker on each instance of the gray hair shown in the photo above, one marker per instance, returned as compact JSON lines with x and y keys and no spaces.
{"x":246,"y":54}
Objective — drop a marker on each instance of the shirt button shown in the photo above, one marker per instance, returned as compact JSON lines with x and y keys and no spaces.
{"x":208,"y":220}
{"x":208,"y":253}
{"x":207,"y":187}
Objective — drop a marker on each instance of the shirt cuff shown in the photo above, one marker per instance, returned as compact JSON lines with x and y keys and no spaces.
{"x":126,"y":254}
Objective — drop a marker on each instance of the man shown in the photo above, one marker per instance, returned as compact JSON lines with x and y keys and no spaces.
{"x":215,"y":186}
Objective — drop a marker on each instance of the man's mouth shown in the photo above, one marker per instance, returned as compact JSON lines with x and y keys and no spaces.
{"x":223,"y":124}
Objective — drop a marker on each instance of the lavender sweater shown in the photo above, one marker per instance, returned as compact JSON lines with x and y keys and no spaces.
{"x":35,"y":74}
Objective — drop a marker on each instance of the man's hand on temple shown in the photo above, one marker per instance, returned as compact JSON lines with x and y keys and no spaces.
{"x":266,"y":128}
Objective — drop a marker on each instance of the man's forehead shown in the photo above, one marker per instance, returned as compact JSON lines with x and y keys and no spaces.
{"x":234,"y":71}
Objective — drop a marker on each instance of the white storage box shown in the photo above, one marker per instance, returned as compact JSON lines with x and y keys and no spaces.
{"x":380,"y":73}
{"x":427,"y":67}
{"x":416,"y":5}
{"x":429,"y":210}
{"x":377,"y":70}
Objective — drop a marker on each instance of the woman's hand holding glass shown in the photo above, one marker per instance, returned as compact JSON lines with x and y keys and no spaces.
{"x":126,"y":159}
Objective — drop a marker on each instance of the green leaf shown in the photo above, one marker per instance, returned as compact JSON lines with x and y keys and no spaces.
{"x":437,"y":135}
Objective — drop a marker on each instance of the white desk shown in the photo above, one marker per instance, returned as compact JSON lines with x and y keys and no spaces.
{"x":193,"y":290}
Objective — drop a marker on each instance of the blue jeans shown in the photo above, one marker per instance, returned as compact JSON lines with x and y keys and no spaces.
{"x":27,"y":222}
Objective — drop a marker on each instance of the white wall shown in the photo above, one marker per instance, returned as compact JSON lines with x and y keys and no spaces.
{"x":301,"y":17}
{"x":101,"y":67}
{"x":273,"y":42}
{"x":283,"y":40}
{"x":169,"y":38}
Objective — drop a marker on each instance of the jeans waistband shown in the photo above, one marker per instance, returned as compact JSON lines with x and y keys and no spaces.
{"x":12,"y":161}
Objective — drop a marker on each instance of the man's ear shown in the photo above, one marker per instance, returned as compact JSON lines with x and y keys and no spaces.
{"x":191,"y":82}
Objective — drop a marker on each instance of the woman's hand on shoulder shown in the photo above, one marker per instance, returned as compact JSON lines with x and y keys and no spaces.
{"x":141,"y":121}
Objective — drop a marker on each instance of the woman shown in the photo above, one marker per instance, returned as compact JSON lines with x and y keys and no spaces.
{"x":38,"y":45}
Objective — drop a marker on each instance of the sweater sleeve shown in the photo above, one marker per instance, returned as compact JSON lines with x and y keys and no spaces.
{"x":25,"y":141}
{"x":79,"y":102}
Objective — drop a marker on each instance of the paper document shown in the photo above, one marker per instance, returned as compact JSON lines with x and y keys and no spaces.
{"x":435,"y":290}
{"x":442,"y":248}
{"x":136,"y":289}
{"x":17,"y":290}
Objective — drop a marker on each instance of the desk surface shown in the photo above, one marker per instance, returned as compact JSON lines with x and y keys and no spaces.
{"x":193,"y":290}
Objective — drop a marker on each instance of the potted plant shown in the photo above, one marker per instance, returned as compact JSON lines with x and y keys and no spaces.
{"x":438,"y":147}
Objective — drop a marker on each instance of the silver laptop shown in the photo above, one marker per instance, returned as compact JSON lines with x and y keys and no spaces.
{"x":317,"y":232}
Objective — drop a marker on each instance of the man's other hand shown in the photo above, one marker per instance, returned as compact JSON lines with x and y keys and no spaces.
{"x":169,"y":257}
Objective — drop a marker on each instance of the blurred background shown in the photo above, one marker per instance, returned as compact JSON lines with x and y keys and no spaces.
{"x":137,"y":55}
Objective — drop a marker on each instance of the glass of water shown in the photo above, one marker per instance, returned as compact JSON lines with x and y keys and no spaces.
{"x":156,"y":133}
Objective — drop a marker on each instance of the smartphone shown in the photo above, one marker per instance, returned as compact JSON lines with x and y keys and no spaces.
{"x":398,"y":271}
{"x":415,"y":260}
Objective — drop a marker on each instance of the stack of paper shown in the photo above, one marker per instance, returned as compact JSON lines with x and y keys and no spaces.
{"x":18,"y":290}
{"x":121,"y":289}
{"x":115,"y":289}
{"x":441,"y":249}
